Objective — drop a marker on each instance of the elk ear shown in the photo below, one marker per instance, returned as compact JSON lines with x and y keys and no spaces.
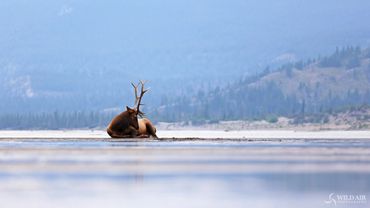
{"x":128,"y":108}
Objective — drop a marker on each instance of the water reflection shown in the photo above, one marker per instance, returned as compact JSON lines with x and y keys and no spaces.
{"x":183,"y":173}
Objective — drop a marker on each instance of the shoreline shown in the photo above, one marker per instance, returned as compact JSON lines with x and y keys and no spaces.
{"x":282,"y":123}
{"x":201,"y":134}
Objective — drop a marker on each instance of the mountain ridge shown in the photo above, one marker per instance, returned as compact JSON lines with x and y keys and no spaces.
{"x":296,"y":88}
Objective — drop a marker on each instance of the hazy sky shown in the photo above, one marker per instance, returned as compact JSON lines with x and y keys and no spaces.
{"x":257,"y":29}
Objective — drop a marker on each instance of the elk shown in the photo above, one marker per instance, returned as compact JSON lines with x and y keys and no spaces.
{"x":146,"y":128}
{"x":127,"y":124}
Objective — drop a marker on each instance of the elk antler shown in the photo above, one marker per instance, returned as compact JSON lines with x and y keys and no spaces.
{"x":138,"y":98}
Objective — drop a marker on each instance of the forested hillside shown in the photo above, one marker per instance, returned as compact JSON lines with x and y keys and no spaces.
{"x":298,"y":90}
{"x":305,"y":87}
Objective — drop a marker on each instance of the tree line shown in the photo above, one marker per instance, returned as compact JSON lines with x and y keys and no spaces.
{"x":56,"y":120}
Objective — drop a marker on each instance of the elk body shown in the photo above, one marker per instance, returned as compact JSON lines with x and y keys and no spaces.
{"x":146,"y":128}
{"x":127,"y":124}
{"x":124,"y":125}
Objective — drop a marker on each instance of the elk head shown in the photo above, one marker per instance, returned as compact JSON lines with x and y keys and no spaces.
{"x":132,"y":116}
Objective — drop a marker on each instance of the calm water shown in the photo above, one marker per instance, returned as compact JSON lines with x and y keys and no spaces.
{"x":184,"y":173}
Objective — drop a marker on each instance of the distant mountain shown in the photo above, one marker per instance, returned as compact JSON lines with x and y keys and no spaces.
{"x":313,"y":86}
{"x":312,"y":91}
{"x":81,"y":55}
{"x":345,"y":72}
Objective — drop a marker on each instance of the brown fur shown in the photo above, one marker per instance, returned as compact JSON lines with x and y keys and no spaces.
{"x":146,"y":128}
{"x":124,"y":125}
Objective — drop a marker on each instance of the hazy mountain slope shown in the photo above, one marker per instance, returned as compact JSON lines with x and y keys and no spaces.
{"x":319,"y":82}
{"x":339,"y":80}
{"x":308,"y":92}
{"x":81,"y":55}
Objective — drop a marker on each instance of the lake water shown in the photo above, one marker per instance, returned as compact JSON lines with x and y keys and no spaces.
{"x":52,"y":170}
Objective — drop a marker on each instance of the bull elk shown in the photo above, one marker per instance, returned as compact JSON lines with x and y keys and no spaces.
{"x":127,"y":124}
